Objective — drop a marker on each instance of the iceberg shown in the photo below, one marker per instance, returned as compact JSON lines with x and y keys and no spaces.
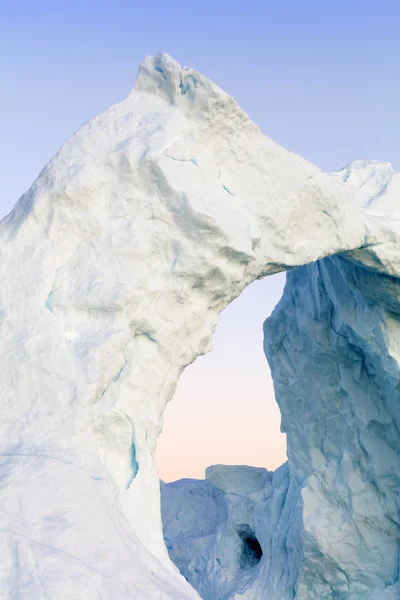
{"x":115,"y":266}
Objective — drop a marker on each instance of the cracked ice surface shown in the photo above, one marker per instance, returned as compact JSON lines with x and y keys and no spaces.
{"x":115,"y":266}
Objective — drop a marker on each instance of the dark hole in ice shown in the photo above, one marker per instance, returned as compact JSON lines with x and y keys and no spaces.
{"x":251,"y":549}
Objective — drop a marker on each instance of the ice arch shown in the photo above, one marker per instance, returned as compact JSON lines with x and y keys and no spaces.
{"x":115,"y":265}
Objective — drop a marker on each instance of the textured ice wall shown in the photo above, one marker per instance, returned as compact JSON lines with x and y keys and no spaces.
{"x":114,"y":267}
{"x":229,"y":534}
{"x":333,"y":346}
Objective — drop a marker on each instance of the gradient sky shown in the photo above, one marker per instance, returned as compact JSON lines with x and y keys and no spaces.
{"x":321,"y":78}
{"x":224,"y":410}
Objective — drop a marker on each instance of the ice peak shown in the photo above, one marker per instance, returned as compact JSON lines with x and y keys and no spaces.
{"x":188,"y":89}
{"x":159,"y":73}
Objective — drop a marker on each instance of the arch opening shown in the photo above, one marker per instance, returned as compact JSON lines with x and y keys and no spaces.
{"x":224,"y":409}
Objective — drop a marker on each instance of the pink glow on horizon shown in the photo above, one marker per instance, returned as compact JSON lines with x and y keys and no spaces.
{"x":224,"y":410}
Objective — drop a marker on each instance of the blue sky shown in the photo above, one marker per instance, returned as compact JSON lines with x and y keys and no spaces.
{"x":321,"y":78}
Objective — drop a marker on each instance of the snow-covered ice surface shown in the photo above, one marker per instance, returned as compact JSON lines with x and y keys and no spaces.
{"x":114,"y":268}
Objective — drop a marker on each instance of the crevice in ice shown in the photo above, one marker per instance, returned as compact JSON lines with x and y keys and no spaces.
{"x":118,"y":375}
{"x":192,"y":160}
{"x":334,"y":222}
{"x":48,"y":302}
{"x":174,"y":261}
{"x":115,"y":378}
{"x":188,"y":85}
{"x":149,"y":337}
{"x":228,"y":190}
{"x":251,"y":548}
{"x":134,"y":466}
{"x":160,"y":70}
